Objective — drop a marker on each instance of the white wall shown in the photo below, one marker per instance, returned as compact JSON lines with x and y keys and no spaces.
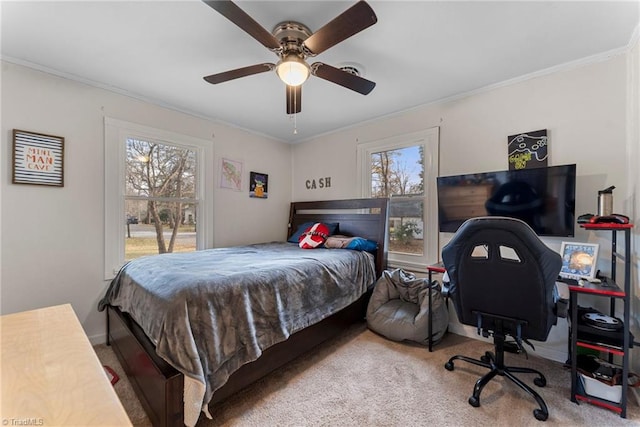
{"x":582,"y":106}
{"x":51,"y":250}
{"x":52,"y":244}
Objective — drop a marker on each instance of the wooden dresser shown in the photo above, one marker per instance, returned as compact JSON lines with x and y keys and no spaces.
{"x":50,"y":374}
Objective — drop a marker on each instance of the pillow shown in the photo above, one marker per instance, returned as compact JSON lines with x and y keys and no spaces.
{"x":295,"y":237}
{"x":314,"y":236}
{"x":355,"y":243}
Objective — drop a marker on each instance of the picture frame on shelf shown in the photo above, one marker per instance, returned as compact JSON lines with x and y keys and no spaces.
{"x":579,"y":260}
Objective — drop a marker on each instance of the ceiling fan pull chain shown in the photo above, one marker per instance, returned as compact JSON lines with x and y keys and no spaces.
{"x":295,"y":123}
{"x":295,"y":115}
{"x":293,"y":99}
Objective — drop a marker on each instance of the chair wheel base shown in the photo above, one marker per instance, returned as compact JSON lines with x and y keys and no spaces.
{"x":475,"y":402}
{"x":448,"y":366}
{"x":540,"y":414}
{"x":540,"y":382}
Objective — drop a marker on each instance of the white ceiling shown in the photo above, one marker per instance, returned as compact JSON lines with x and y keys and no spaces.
{"x":417,"y":53}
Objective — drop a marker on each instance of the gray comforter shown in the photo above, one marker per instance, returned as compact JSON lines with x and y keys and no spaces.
{"x":209,"y":312}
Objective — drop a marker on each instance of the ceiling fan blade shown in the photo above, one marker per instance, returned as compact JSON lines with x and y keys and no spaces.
{"x":233,"y":13}
{"x":239,"y":72}
{"x":352,"y":21}
{"x":294,"y":99}
{"x":342,"y":78}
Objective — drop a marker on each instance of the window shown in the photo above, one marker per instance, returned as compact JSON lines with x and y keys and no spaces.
{"x":157,"y":193}
{"x":404,"y":169}
{"x":160,"y":198}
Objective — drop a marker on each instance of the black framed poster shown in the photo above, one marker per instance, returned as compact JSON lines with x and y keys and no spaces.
{"x":37,"y":159}
{"x":528,"y":150}
{"x":258,"y":183}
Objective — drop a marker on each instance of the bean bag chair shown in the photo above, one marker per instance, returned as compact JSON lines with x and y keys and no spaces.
{"x":399,"y":308}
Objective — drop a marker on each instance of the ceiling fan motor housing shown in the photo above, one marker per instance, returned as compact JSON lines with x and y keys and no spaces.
{"x":291,"y":35}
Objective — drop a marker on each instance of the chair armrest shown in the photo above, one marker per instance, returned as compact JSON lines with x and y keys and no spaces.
{"x":445,"y":285}
{"x":561,"y":298}
{"x":562,"y":308}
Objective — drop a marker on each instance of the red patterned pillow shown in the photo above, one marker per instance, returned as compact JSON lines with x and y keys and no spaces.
{"x":314,"y":236}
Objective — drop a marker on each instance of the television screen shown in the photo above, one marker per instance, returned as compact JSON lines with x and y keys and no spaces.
{"x":543,"y":197}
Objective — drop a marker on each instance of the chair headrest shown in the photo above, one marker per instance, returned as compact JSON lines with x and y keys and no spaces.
{"x":494,"y":229}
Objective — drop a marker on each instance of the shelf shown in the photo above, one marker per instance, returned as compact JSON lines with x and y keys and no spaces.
{"x":599,"y":346}
{"x":607,"y":288}
{"x":436,"y":268}
{"x":589,"y":336}
{"x":615,"y":343}
{"x":612,"y":406}
{"x":606,"y":226}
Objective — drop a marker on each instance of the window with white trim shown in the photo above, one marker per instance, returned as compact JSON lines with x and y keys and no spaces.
{"x":404,"y":169}
{"x":157,"y":197}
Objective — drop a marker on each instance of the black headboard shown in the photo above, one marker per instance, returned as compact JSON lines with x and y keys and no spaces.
{"x":366,"y":218}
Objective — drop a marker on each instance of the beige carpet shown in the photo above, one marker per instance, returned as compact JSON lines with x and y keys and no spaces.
{"x":362,"y":379}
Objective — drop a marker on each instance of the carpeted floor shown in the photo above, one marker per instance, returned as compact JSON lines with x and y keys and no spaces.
{"x":362,"y":379}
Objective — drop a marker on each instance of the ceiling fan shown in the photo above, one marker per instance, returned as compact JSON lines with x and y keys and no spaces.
{"x":294,"y":43}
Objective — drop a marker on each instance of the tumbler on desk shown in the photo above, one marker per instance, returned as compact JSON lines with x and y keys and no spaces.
{"x":605,"y":201}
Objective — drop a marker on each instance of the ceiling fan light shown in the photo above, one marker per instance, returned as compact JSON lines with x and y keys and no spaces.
{"x":293,"y":70}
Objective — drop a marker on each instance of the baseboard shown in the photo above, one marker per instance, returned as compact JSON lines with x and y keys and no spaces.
{"x":98,"y":339}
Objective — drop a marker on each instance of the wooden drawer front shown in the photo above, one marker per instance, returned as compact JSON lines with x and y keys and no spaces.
{"x":158,"y":386}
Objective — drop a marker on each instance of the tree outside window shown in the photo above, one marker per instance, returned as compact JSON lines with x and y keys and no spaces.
{"x":399,"y":175}
{"x":160,"y":198}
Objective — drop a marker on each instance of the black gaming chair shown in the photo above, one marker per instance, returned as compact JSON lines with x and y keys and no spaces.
{"x":502,"y":280}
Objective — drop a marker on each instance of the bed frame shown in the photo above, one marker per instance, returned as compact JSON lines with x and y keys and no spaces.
{"x":160,"y":387}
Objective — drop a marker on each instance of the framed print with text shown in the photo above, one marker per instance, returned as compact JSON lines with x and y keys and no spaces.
{"x":37,"y":159}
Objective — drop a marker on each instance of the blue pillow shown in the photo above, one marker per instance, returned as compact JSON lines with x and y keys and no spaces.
{"x":355,"y":243}
{"x":295,"y":237}
{"x":362,"y":244}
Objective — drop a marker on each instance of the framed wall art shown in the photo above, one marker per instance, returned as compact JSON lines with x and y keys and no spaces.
{"x":258,"y":185}
{"x":37,"y":159}
{"x":578,"y":260}
{"x":528,"y":150}
{"x":231,"y":174}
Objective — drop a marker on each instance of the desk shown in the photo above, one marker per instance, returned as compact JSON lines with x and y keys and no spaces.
{"x":436,"y":268}
{"x":50,"y":373}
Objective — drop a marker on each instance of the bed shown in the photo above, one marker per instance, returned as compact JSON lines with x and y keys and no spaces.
{"x":160,"y":386}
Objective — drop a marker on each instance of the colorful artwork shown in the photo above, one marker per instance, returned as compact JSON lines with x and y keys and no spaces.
{"x":578,"y":260}
{"x":231,"y":175}
{"x":258,"y":185}
{"x":528,"y":150}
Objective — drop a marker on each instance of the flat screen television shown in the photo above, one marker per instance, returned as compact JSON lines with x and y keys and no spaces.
{"x":542,"y":197}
